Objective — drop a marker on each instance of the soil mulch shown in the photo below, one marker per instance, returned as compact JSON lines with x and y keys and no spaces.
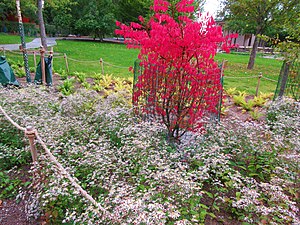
{"x":13,"y":213}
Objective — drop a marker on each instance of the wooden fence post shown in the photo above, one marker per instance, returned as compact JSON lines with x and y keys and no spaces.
{"x":101,"y":64}
{"x":34,"y":59}
{"x":258,"y":83}
{"x":30,"y":133}
{"x":42,"y":50}
{"x":66,"y":60}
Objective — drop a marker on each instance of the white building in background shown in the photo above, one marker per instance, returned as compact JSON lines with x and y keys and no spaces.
{"x":245,"y":41}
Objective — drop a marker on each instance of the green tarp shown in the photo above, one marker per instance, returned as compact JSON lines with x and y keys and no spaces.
{"x":7,"y":76}
{"x":48,"y":70}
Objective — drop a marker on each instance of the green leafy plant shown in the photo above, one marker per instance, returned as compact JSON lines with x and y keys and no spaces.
{"x":256,"y":114}
{"x":32,"y":69}
{"x":86,"y":85}
{"x":81,"y":77}
{"x":248,"y":105}
{"x":10,"y":136}
{"x":266,"y":95}
{"x":121,"y":86}
{"x":106,"y":81}
{"x":18,"y":69}
{"x":63,"y":74}
{"x":239,"y":100}
{"x":259,"y":101}
{"x":242,"y":93}
{"x":97,"y":87}
{"x":231,"y":91}
{"x":8,"y":186}
{"x":224,"y":108}
{"x":67,"y":87}
{"x":257,"y":164}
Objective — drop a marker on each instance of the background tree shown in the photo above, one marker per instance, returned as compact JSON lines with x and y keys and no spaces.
{"x":258,"y":17}
{"x":59,"y":17}
{"x":95,"y":17}
{"x":42,"y":24}
{"x":129,"y":10}
{"x":289,"y":78}
{"x":97,"y":20}
{"x":290,"y":24}
{"x":8,"y":8}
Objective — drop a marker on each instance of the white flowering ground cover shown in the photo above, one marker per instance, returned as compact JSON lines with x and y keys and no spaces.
{"x":229,"y":173}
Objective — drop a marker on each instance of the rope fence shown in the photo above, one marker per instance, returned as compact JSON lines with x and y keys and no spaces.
{"x":109,"y":64}
{"x":240,"y":77}
{"x":259,"y":77}
{"x":32,"y":134}
{"x":270,"y":79}
{"x":103,"y":63}
{"x":83,"y":61}
{"x":59,"y":55}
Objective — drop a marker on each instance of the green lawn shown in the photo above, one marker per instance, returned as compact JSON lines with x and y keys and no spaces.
{"x":236,"y":72}
{"x":85,"y":56}
{"x":12,"y":39}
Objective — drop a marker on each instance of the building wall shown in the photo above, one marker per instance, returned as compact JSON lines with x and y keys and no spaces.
{"x":245,"y":41}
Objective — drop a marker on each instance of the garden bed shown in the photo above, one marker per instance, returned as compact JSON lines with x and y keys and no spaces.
{"x":223,"y":176}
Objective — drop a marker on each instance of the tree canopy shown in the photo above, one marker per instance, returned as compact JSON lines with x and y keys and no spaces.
{"x":85,"y":17}
{"x":258,"y":17}
{"x":8,"y":8}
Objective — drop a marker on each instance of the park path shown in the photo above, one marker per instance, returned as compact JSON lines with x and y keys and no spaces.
{"x":36,"y":43}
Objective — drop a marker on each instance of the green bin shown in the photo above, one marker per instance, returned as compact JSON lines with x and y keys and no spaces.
{"x":48,"y":72}
{"x":7,"y":76}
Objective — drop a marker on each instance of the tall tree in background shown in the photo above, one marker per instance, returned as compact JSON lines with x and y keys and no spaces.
{"x":8,"y":8}
{"x":60,"y":16}
{"x":256,"y":17}
{"x":129,"y":10}
{"x":42,"y":24}
{"x":97,"y":19}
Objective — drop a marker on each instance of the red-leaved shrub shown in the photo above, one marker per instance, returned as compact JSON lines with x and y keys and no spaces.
{"x":180,"y":82}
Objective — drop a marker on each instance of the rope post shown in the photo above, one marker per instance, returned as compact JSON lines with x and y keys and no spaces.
{"x":101,"y":64}
{"x":258,"y":83}
{"x":42,"y":51}
{"x":30,"y":133}
{"x":34,"y":59}
{"x":66,"y":60}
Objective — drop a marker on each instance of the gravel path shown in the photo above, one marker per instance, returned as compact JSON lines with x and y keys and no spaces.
{"x":36,"y":43}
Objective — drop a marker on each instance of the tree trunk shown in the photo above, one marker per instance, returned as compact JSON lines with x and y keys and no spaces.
{"x":42,"y":24}
{"x":23,"y":43}
{"x":253,"y":54}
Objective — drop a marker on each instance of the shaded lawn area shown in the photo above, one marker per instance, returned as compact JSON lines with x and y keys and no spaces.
{"x":12,"y":39}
